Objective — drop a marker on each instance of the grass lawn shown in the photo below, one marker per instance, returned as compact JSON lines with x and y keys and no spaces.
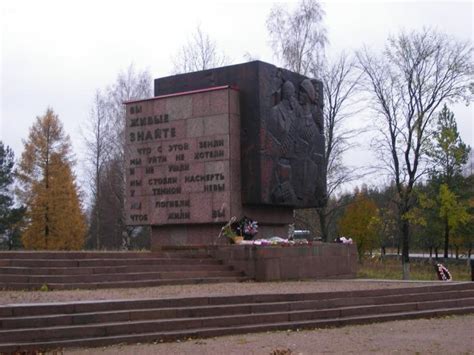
{"x":391,"y":269}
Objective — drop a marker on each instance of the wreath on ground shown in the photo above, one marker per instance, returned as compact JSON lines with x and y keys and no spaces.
{"x":442,"y":272}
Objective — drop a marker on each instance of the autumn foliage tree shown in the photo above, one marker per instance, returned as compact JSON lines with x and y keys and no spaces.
{"x":453,"y":212}
{"x":47,"y":188}
{"x":416,"y":73}
{"x":449,"y":154}
{"x":360,"y":222}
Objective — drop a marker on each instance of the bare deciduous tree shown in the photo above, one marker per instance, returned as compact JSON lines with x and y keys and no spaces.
{"x":106,"y":152}
{"x":97,"y":141}
{"x":130,"y":85}
{"x":298,"y":38}
{"x":199,"y":53}
{"x":339,"y":87}
{"x":339,"y":79}
{"x":417,"y":72}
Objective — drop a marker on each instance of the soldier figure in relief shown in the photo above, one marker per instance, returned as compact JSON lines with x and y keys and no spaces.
{"x":305,"y":163}
{"x":282,"y":128}
{"x":297,"y":132}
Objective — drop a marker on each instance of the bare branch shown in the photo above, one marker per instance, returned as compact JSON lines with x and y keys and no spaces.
{"x":199,"y":53}
{"x":298,"y":38}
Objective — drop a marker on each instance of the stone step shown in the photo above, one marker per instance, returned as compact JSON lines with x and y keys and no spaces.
{"x":201,"y":253}
{"x":89,"y":270}
{"x":122,"y":284}
{"x":343,"y":314}
{"x":166,"y":336}
{"x":53,"y":279}
{"x":19,"y":270}
{"x":34,"y":263}
{"x":431,"y":292}
{"x":55,"y":318}
{"x":91,"y":323}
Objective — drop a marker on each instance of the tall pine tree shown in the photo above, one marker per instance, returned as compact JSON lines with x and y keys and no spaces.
{"x":10,"y":216}
{"x":448,"y":154}
{"x":48,"y":189}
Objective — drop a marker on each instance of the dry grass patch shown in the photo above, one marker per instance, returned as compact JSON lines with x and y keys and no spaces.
{"x":391,"y":269}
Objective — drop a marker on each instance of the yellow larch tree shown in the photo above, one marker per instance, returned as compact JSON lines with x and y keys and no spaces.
{"x":47,"y":187}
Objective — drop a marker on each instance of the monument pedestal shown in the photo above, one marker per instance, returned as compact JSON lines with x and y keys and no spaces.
{"x":272,"y":221}
{"x":317,"y":261}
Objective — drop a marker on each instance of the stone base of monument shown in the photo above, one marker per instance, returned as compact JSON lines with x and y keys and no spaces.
{"x":279,"y":263}
{"x":317,"y":261}
{"x":201,"y":235}
{"x":272,"y":221}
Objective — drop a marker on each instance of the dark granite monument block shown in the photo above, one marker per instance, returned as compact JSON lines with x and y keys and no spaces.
{"x":281,"y":131}
{"x":242,"y":140}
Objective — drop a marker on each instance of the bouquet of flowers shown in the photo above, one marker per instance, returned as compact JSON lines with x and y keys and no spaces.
{"x":247,"y":228}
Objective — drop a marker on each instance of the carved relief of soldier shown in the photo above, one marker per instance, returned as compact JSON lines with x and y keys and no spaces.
{"x":296,"y":125}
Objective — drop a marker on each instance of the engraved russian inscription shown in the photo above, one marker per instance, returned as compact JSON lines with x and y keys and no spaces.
{"x":218,"y":213}
{"x":174,"y":172}
{"x":136,"y":206}
{"x":139,"y":217}
{"x":135,"y":109}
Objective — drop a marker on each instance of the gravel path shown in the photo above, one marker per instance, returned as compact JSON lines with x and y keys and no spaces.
{"x":449,"y":335}
{"x":11,"y":297}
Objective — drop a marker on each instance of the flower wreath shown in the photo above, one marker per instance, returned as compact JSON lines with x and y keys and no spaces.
{"x":442,"y":272}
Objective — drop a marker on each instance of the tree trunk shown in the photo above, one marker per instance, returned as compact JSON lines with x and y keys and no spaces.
{"x":436,"y":253}
{"x":406,"y":250}
{"x":323,"y":223}
{"x":98,"y":157}
{"x":97,"y":209}
{"x":446,"y":239}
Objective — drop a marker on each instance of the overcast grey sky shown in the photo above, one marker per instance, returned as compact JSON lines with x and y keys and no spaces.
{"x":57,"y":53}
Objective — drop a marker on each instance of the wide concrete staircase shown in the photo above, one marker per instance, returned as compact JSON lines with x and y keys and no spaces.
{"x":77,"y":270}
{"x":97,"y":323}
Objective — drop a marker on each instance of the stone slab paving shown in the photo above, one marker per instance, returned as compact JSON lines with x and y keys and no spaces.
{"x":448,"y":335}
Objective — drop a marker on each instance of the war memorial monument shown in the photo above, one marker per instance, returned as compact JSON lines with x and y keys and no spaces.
{"x":241,"y":140}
